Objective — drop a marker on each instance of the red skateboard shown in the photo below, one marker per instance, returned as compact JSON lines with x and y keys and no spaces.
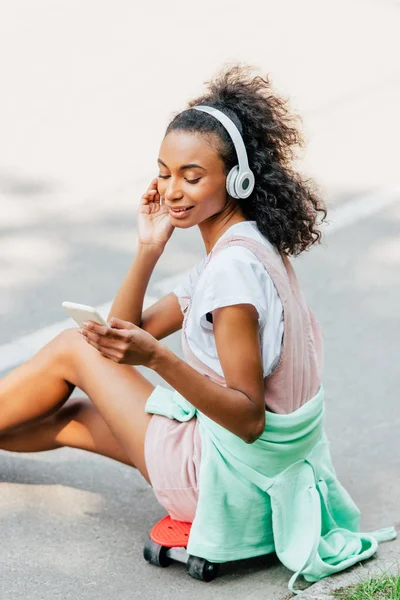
{"x":168,"y":541}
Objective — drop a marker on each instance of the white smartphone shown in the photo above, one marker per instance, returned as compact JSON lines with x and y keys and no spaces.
{"x":81,"y":313}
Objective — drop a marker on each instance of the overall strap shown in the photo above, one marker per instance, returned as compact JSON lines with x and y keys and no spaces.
{"x":259,"y":250}
{"x":297,"y":376}
{"x":271,"y":260}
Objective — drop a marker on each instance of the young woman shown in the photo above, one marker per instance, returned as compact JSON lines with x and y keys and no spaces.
{"x":239,"y":439}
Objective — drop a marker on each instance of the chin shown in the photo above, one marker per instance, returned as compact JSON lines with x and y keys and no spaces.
{"x":180,"y":225}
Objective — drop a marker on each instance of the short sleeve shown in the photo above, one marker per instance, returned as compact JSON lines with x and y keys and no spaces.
{"x":233,"y":276}
{"x":184,"y":290}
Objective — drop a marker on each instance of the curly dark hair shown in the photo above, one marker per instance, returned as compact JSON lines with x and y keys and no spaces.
{"x":284,"y":205}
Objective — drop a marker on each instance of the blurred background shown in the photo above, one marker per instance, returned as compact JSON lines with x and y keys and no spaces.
{"x":87,"y":90}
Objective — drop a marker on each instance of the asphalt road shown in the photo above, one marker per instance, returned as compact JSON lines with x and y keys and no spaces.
{"x":89,"y":91}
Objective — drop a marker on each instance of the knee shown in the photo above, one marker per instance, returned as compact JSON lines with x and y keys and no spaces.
{"x":69,"y":334}
{"x":64,"y":347}
{"x":66,"y":340}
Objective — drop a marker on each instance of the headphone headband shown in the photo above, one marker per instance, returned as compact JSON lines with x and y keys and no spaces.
{"x":240,"y":180}
{"x":232,"y":130}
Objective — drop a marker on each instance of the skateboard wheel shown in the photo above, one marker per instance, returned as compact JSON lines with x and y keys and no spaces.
{"x":156,"y":554}
{"x":200,"y":568}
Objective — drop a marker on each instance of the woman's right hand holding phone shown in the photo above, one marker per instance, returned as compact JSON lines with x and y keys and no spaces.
{"x":154,"y":221}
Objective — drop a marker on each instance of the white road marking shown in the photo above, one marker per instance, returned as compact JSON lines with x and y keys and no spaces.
{"x":360,"y":208}
{"x":14,"y":353}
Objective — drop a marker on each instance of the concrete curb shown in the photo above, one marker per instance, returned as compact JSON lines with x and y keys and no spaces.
{"x":387,"y":558}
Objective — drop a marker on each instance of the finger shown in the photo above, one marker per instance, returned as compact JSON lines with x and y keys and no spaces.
{"x":91,"y":342}
{"x":107,"y":352}
{"x":149,"y":195}
{"x":154,"y":183}
{"x":115,"y":356}
{"x":152,"y":189}
{"x":152,"y":192}
{"x":96,"y":327}
{"x":144,"y":209}
{"x":116,"y":323}
{"x":102,"y":332}
{"x":106,"y":342}
{"x":93,"y":338}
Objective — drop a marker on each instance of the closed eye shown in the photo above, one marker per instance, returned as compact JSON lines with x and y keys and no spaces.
{"x":188,"y":180}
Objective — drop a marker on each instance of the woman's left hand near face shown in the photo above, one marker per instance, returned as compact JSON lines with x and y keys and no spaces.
{"x":121,"y":341}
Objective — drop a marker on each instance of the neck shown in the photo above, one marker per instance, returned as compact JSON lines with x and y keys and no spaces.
{"x":212,"y":229}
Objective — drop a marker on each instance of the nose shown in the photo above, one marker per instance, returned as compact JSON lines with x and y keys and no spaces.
{"x":172,"y":191}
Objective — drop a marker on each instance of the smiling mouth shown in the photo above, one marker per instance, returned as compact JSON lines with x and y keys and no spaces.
{"x":180,"y":210}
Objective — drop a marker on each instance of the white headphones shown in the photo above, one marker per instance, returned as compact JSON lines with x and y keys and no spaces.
{"x":240,"y":180}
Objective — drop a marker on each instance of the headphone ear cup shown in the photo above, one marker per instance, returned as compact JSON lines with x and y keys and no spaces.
{"x":231,"y":180}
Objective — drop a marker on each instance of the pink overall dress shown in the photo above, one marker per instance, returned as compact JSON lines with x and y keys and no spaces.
{"x":173,"y":448}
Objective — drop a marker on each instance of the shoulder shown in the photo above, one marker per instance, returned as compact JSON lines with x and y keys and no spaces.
{"x":235,"y":254}
{"x":233,"y":276}
{"x":235,"y":261}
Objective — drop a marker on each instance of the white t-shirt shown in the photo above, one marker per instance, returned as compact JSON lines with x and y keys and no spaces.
{"x":233,"y":276}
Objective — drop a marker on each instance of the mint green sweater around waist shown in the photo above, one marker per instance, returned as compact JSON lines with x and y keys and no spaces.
{"x":278,"y":494}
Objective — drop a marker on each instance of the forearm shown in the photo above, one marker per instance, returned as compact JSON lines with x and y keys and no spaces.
{"x":230,"y":408}
{"x":128,"y":303}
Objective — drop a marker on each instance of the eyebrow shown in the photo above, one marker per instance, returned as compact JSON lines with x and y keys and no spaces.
{"x":183,"y":167}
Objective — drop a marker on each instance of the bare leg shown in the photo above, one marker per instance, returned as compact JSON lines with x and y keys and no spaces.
{"x":32,"y":395}
{"x":77,"y":424}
